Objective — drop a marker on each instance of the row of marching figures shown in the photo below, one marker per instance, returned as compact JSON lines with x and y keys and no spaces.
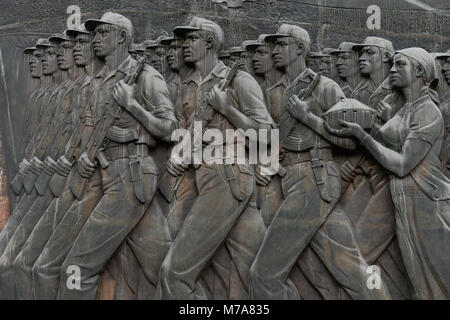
{"x":357,"y":208}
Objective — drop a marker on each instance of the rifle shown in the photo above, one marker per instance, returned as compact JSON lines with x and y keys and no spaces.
{"x":289,"y":122}
{"x":94,"y":147}
{"x":169,"y":183}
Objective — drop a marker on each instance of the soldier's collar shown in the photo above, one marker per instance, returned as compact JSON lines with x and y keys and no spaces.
{"x":124,"y":67}
{"x":282,"y":82}
{"x":365,"y":82}
{"x":219,"y":71}
{"x":193,"y":77}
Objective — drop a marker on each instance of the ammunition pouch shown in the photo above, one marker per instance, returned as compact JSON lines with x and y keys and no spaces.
{"x":241,"y":179}
{"x":144,"y":179}
{"x":326,"y":175}
{"x":142,"y":169}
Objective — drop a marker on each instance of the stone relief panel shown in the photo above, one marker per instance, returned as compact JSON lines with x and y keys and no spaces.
{"x":262,"y":149}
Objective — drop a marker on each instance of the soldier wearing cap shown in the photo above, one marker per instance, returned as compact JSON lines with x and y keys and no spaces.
{"x":135,"y":50}
{"x":244,"y":56}
{"x":267,"y":75}
{"x":310,"y":185}
{"x":223,"y":212}
{"x":366,"y":196}
{"x":129,"y":173}
{"x":45,"y":106}
{"x":149,"y":48}
{"x":374,"y":64}
{"x":56,"y":113}
{"x":35,"y":86}
{"x":29,"y":193}
{"x":443,"y":65}
{"x":320,"y":63}
{"x":263,"y":66}
{"x":347,"y":65}
{"x":62,"y":199}
{"x":35,"y":63}
{"x":180,"y":69}
{"x":159,"y":56}
{"x":224,"y":56}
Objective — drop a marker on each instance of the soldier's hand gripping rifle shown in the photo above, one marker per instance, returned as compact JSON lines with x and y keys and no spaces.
{"x":59,"y":178}
{"x":289,"y":122}
{"x":94,"y":148}
{"x":170,"y":183}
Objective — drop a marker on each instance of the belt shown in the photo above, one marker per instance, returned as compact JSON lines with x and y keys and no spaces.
{"x":299,"y":157}
{"x":125,"y":151}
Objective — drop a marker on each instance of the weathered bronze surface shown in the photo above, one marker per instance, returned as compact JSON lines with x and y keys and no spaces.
{"x":96,"y":201}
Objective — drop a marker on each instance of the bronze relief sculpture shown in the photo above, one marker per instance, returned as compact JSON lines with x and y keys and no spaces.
{"x":360,"y":178}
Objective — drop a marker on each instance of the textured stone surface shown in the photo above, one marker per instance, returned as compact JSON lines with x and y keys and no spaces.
{"x":405,"y":22}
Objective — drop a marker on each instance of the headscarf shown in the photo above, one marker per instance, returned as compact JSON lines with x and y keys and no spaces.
{"x":428,"y":63}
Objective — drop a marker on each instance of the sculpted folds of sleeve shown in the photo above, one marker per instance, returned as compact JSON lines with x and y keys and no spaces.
{"x":156,"y":96}
{"x":251,"y":99}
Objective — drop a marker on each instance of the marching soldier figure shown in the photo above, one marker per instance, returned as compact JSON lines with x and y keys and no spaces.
{"x":48,"y":147}
{"x":122,"y":145}
{"x":311,"y":185}
{"x":84,"y":59}
{"x":366,"y":197}
{"x":159,"y":57}
{"x":347,"y":65}
{"x":224,"y":210}
{"x":27,"y":167}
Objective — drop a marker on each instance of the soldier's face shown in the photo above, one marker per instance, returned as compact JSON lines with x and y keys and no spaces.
{"x":148,"y":54}
{"x":446,"y":69}
{"x":246,"y":61}
{"x":65,"y":55}
{"x":262,"y":60}
{"x":324,"y":66}
{"x":285,"y":52}
{"x":234,"y":57}
{"x":159,"y":59}
{"x":50,"y":61}
{"x":237,"y":56}
{"x":346,"y":64}
{"x":105,"y":40}
{"x":36,"y":64}
{"x":370,"y":61}
{"x":175,"y":56}
{"x":402,"y":72}
{"x":194,"y":48}
{"x":83,"y":50}
{"x":314,"y":63}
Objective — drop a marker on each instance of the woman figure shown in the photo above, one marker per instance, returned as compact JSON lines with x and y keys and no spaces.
{"x":408,"y":147}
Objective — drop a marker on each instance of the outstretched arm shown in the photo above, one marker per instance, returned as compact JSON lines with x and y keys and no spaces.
{"x":299,"y":109}
{"x":400,"y":163}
